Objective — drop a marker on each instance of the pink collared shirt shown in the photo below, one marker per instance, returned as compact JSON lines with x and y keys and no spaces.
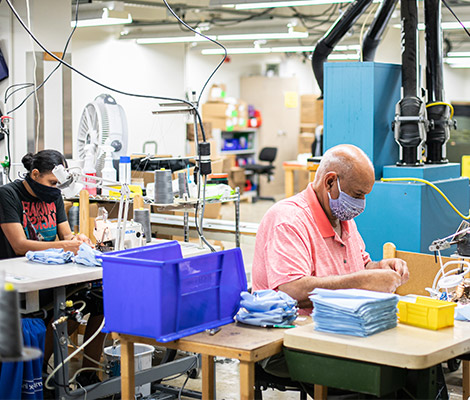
{"x":296,"y":239}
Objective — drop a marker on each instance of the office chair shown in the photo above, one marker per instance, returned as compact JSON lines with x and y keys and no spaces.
{"x":266,"y":154}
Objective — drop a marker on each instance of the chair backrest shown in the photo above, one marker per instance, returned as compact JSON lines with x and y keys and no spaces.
{"x":268,"y":154}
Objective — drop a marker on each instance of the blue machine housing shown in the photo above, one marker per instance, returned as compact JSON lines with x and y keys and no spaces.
{"x":411,"y":214}
{"x":359,"y":107}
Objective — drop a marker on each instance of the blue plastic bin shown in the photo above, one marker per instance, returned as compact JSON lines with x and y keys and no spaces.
{"x":152,"y":291}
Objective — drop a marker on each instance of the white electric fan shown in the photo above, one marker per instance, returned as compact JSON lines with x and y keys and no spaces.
{"x":103,"y":123}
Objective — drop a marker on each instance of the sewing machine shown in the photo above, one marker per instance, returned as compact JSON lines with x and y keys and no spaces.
{"x":106,"y":232}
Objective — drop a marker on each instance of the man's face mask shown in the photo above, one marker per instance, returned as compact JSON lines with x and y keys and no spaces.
{"x":48,"y":194}
{"x":346,"y":207}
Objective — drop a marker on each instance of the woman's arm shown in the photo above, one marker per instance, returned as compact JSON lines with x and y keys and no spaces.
{"x":64,"y":233}
{"x":21,"y":244}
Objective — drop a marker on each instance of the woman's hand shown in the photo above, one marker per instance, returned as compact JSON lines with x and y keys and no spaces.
{"x":83,"y":239}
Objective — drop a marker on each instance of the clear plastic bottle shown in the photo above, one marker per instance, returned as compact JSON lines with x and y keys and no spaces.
{"x":125,"y":170}
{"x":108,"y":172}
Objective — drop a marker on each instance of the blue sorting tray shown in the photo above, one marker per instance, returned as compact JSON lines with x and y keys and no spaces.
{"x":152,"y":291}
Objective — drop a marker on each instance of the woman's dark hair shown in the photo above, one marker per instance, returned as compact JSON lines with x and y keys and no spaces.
{"x":44,"y":161}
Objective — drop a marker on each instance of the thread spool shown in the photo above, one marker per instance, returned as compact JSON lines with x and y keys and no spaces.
{"x":142,"y":216}
{"x":163,"y":187}
{"x":74,"y":218}
{"x":182,"y":184}
{"x":11,"y":337}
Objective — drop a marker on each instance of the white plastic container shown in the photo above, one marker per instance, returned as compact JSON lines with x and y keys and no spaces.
{"x":125,"y":170}
{"x":142,"y":360}
{"x":89,"y":169}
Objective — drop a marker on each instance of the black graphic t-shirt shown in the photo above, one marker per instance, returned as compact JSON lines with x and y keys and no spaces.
{"x":39,"y":219}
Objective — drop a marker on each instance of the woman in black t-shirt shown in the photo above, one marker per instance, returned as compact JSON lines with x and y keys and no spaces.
{"x":32,"y":217}
{"x":32,"y":211}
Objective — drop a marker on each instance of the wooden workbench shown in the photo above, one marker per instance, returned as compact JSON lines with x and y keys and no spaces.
{"x":248,"y":344}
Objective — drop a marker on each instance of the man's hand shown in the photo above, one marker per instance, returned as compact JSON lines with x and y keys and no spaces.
{"x":380,"y":280}
{"x":395,"y":264}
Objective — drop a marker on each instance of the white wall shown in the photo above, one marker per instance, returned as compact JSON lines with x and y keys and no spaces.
{"x":124,"y":65}
{"x":18,"y":44}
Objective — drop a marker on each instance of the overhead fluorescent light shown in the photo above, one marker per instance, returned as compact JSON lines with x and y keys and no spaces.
{"x":457,"y":60}
{"x":285,"y":49}
{"x":263,"y":36}
{"x":175,"y":39}
{"x":108,"y":17}
{"x":278,"y":4}
{"x":458,"y":54}
{"x":224,"y":38}
{"x":444,"y":25}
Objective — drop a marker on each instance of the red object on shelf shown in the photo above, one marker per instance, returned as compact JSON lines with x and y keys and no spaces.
{"x":255,"y":121}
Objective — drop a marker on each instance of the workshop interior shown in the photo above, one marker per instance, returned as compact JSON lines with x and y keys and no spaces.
{"x":177,"y":126}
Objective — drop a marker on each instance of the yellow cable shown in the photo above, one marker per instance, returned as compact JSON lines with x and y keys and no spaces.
{"x":441,"y":103}
{"x":433,"y":186}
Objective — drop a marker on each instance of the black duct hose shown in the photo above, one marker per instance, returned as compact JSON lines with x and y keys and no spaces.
{"x":374,"y":34}
{"x":437,"y":135}
{"x":434,"y":68}
{"x":409,"y":138}
{"x":409,"y":134}
{"x":327,"y":43}
{"x":409,"y":65}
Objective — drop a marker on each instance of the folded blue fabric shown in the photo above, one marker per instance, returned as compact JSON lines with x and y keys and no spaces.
{"x":267,"y":307}
{"x":50,"y":256}
{"x":87,"y":256}
{"x":462,"y":312}
{"x":353,"y":311}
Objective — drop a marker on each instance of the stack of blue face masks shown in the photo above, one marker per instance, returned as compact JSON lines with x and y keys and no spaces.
{"x":50,"y":256}
{"x":87,"y":256}
{"x":266,"y":308}
{"x":353,"y":311}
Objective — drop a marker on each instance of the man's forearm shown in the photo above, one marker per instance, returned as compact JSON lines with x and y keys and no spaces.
{"x":300,"y":288}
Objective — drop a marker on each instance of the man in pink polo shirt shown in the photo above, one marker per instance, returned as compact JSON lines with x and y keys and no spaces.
{"x":310,"y":240}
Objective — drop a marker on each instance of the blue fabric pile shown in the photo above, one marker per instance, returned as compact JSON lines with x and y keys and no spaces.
{"x":353,"y":311}
{"x":87,"y":256}
{"x":50,"y":256}
{"x":267,"y":308}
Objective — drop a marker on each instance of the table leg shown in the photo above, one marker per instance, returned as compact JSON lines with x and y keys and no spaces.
{"x":127,"y":370}
{"x":466,"y":379}
{"x":247,"y":380}
{"x":208,"y":377}
{"x":289,"y":183}
{"x":320,"y":392}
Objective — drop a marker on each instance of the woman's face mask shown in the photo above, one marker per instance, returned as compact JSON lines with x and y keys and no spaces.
{"x":346,"y":207}
{"x":45,"y":192}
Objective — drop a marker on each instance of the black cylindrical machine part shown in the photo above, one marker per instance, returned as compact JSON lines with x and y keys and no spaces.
{"x":327,"y":43}
{"x":409,"y":131}
{"x":438,"y":114}
{"x":374,"y":34}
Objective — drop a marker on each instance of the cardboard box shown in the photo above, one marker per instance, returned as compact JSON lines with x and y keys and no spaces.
{"x":305,"y":142}
{"x":207,"y":130}
{"x":311,"y":109}
{"x":242,"y":108}
{"x":307,"y":128}
{"x":229,"y":162}
{"x":237,"y":178}
{"x":217,"y":92}
{"x":217,"y":110}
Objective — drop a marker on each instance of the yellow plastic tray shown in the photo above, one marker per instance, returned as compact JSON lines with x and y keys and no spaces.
{"x":427,"y":313}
